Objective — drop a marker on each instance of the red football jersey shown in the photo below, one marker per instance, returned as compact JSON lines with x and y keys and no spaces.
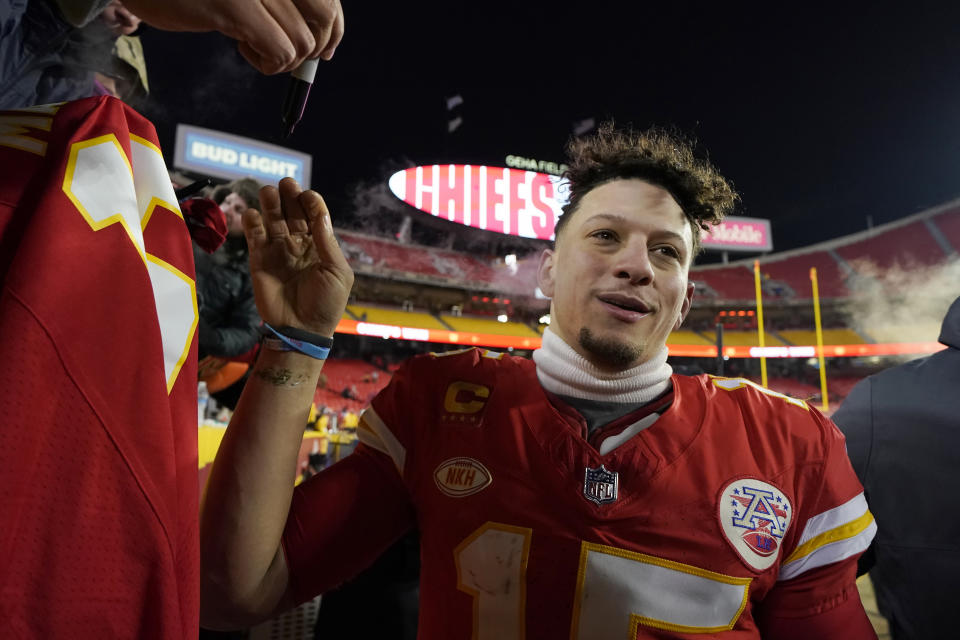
{"x":734,"y":496}
{"x":98,"y":387}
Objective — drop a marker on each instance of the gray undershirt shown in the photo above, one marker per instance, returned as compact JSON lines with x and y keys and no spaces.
{"x":597,"y":413}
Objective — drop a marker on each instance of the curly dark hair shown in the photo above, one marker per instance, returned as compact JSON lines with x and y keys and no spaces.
{"x":657,"y":156}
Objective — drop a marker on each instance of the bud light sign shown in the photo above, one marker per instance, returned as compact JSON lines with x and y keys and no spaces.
{"x":224,"y":155}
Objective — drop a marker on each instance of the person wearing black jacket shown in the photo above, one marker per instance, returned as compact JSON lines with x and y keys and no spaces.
{"x":229,"y":323}
{"x":903,"y":438}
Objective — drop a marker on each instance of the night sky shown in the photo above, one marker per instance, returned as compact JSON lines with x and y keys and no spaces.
{"x":820,"y":119}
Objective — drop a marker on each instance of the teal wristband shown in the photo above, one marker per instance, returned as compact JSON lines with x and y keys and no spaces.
{"x":279,"y":342}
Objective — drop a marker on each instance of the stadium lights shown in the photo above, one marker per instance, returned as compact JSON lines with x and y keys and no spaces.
{"x":469,"y":339}
{"x":782,"y":352}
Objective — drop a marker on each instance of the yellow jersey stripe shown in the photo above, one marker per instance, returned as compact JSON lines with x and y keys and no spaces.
{"x":849,"y":530}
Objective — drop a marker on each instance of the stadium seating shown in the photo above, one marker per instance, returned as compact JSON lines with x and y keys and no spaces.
{"x":381,"y":315}
{"x":485,"y":325}
{"x":948,"y":222}
{"x":840,"y":386}
{"x":730,"y":283}
{"x":343,"y":374}
{"x":908,"y":245}
{"x":793,"y":388}
{"x":521,"y":278}
{"x":732,"y":338}
{"x":367,"y":251}
{"x":800,"y":337}
{"x":795,"y":273}
{"x":686,"y":338}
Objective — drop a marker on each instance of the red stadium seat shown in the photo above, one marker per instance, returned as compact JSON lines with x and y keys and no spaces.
{"x":730,"y":283}
{"x":948,"y":223}
{"x":343,"y":374}
{"x":906,"y":246}
{"x":795,"y":273}
{"x":380,"y":253}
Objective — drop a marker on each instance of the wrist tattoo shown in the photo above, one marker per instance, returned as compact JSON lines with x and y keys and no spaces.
{"x":281,"y":377}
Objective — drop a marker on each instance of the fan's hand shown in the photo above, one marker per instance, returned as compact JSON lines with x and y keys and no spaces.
{"x":274,"y":35}
{"x":300,"y":277}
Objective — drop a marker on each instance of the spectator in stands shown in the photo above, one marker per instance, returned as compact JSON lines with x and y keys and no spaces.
{"x":229,"y":323}
{"x":549,"y":494}
{"x":319,"y":455}
{"x":903,"y":439}
{"x":350,"y":393}
{"x":350,"y":420}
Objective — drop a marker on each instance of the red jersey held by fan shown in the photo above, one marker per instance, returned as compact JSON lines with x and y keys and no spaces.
{"x":98,"y":444}
{"x":734,"y":498}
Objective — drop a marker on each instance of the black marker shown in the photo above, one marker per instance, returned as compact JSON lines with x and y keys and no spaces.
{"x":301,"y":79}
{"x":192,"y":189}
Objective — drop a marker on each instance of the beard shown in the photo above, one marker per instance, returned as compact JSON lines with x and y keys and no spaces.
{"x":609,"y":353}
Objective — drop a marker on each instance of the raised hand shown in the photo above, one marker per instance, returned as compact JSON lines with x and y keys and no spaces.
{"x":300,"y":277}
{"x":273,"y":35}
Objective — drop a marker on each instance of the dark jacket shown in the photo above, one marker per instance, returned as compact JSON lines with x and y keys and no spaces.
{"x":903,"y":438}
{"x":45,"y":59}
{"x":228,"y":315}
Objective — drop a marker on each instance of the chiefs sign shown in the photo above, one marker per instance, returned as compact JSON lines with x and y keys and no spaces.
{"x":510,"y":201}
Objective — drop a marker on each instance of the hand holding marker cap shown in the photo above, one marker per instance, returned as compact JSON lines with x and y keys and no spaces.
{"x":301,"y":79}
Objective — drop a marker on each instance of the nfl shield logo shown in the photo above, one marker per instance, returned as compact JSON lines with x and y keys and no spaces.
{"x":600,"y":485}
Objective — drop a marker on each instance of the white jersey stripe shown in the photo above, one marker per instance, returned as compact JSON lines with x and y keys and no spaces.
{"x":831,"y":552}
{"x":836,"y":517}
{"x":373,"y":432}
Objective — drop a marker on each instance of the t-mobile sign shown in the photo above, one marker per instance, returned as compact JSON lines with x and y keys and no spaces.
{"x":510,"y":201}
{"x":739,"y":234}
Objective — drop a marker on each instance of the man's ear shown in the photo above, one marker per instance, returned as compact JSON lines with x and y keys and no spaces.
{"x":545,"y":272}
{"x":685,"y":307}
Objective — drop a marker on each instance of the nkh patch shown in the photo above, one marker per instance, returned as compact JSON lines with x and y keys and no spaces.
{"x":461,"y":477}
{"x":755,"y":516}
{"x":600,"y":485}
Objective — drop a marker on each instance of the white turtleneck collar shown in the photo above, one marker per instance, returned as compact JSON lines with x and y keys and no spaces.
{"x":563,"y":371}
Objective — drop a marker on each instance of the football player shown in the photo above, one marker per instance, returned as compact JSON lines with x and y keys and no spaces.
{"x":588,"y":493}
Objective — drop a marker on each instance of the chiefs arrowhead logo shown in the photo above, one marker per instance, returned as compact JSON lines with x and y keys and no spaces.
{"x":461,"y":477}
